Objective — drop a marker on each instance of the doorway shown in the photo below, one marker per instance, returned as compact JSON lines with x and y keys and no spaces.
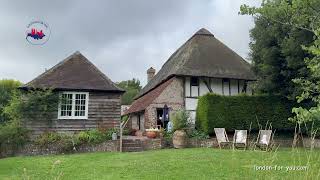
{"x":162,"y":117}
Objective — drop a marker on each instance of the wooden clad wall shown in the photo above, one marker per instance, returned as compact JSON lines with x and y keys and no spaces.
{"x":104,"y":111}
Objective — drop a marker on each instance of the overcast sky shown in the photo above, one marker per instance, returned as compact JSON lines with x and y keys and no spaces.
{"x":122,"y":38}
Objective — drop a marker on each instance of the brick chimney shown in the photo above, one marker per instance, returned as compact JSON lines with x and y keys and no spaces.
{"x":150,"y":73}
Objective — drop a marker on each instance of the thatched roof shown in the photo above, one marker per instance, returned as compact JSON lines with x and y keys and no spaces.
{"x":204,"y":56}
{"x":143,"y":102}
{"x":76,"y":72}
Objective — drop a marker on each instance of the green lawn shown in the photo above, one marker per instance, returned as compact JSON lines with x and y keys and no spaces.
{"x":199,"y":163}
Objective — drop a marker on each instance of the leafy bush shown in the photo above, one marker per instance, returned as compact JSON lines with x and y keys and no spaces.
{"x":12,"y":136}
{"x":241,"y":112}
{"x":7,"y":89}
{"x":91,"y":137}
{"x":48,"y":138}
{"x":167,"y":136}
{"x":61,"y":142}
{"x":95,"y":136}
{"x":109,"y":132}
{"x":180,"y":120}
{"x":196,"y":134}
{"x":127,"y":132}
{"x":33,"y":105}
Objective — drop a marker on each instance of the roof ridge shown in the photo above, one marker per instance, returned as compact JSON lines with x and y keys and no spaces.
{"x":71,"y":68}
{"x":202,"y":31}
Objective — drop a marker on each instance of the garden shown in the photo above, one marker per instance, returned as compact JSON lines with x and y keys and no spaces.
{"x":285,"y":58}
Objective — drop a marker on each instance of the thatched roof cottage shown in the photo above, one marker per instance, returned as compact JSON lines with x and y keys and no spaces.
{"x":202,"y":64}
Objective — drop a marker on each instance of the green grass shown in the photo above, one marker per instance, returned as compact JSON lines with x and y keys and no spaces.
{"x":198,"y":163}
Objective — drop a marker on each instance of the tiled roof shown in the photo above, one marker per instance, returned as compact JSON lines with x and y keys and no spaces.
{"x":74,"y":73}
{"x":144,"y":101}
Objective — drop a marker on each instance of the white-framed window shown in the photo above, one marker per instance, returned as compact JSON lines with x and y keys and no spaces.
{"x":73,"y":105}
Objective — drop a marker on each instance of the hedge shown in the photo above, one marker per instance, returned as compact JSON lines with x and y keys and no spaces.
{"x":238,"y":112}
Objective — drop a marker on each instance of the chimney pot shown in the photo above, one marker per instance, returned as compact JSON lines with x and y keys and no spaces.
{"x":150,"y":73}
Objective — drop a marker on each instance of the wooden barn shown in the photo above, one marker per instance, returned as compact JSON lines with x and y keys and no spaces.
{"x":91,"y":99}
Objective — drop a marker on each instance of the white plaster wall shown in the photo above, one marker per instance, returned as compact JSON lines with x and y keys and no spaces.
{"x":234,"y":86}
{"x":203,"y":87}
{"x":216,"y":85}
{"x":194,"y":91}
{"x":226,"y":88}
{"x":191,"y":103}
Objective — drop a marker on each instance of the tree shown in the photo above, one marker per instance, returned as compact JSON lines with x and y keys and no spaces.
{"x":303,"y":15}
{"x":132,"y":88}
{"x":7,"y":88}
{"x":276,"y":53}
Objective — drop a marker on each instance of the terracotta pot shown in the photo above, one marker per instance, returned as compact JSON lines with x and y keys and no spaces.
{"x":151,"y":134}
{"x":179,"y":139}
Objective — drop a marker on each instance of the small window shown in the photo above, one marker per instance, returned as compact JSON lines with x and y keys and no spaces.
{"x":226,"y":87}
{"x":194,"y":87}
{"x":73,"y":105}
{"x":194,"y":81}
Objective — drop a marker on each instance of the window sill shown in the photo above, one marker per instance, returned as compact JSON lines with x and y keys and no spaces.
{"x":73,"y":117}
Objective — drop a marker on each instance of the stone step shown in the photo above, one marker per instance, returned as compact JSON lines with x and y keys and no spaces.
{"x":132,"y":143}
{"x":132,"y":149}
{"x":126,"y":140}
{"x":129,"y":145}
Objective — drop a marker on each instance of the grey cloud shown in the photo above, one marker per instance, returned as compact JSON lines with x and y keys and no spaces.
{"x":123,"y":38}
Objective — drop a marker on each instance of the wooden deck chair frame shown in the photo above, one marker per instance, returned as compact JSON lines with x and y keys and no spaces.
{"x":240,"y":144}
{"x":263,"y":146}
{"x":222,"y":143}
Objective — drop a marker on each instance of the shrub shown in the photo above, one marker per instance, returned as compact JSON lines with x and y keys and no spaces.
{"x":12,"y":137}
{"x":7,"y":89}
{"x":109,"y":132}
{"x":48,"y":138}
{"x":61,"y":142}
{"x":128,"y":132}
{"x":196,"y":134}
{"x":94,"y":136}
{"x":241,"y":112}
{"x":180,"y":120}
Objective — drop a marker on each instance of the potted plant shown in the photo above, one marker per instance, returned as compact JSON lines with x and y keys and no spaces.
{"x":152,"y":133}
{"x":180,"y":125}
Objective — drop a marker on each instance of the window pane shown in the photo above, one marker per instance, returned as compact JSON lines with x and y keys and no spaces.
{"x":66,"y":105}
{"x":194,"y":81}
{"x":73,"y":104}
{"x":80,"y":104}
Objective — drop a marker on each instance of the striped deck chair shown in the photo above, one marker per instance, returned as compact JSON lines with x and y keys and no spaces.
{"x":264,"y":139}
{"x":240,"y":139}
